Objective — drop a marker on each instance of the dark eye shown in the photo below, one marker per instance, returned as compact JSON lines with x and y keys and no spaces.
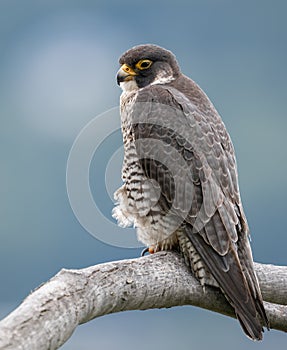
{"x":143,"y":64}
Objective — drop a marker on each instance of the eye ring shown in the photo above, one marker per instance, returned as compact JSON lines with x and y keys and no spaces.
{"x":143,"y":64}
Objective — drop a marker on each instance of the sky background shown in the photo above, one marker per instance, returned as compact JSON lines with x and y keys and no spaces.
{"x":58,"y":61}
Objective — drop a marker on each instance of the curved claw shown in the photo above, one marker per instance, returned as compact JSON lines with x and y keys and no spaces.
{"x":144,"y":251}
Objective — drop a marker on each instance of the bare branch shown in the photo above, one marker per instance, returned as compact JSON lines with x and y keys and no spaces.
{"x":48,"y":316}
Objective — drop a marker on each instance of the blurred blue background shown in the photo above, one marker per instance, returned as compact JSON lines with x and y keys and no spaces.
{"x":58,"y":61}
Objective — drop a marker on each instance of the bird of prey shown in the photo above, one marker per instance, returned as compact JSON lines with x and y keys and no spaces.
{"x":180,"y":179}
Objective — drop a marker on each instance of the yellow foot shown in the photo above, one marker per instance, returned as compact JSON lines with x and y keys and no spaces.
{"x":149,"y":250}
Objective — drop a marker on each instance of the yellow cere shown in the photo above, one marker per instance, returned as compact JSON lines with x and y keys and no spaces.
{"x":128,"y":69}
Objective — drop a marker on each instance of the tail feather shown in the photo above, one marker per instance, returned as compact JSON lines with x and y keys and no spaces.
{"x":228,"y":272}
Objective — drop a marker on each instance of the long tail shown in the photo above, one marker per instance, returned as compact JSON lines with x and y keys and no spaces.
{"x":237,"y":281}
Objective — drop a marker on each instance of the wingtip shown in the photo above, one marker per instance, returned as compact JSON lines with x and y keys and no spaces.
{"x":252,"y":328}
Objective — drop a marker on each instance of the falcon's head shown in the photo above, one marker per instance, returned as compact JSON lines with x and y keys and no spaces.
{"x":146,"y":64}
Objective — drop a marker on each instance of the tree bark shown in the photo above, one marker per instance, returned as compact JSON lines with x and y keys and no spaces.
{"x":50,"y":314}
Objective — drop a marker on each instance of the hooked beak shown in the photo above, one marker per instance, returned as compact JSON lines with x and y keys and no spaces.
{"x":125,"y":73}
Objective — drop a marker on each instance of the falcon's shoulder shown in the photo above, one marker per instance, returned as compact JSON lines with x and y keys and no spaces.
{"x":165,"y":113}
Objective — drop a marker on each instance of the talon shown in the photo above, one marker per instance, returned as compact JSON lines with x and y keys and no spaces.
{"x":149,"y":250}
{"x":144,"y":251}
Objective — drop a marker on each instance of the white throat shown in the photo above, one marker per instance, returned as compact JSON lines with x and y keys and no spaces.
{"x":162,"y":78}
{"x":128,"y":86}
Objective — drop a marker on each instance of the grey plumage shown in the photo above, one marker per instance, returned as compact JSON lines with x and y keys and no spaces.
{"x":180,"y":179}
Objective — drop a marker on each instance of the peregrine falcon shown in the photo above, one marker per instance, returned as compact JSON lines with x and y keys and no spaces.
{"x":180,"y":180}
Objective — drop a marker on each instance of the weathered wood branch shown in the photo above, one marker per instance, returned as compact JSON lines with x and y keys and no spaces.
{"x":49,"y":315}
